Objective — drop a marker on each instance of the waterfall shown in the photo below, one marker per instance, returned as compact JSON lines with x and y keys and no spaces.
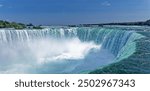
{"x":110,"y":39}
{"x":52,"y":47}
{"x":8,"y":36}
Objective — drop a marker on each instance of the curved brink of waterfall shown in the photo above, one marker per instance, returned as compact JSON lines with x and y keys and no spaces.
{"x":123,"y":45}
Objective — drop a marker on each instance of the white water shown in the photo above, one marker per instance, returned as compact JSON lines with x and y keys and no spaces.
{"x":57,"y":50}
{"x":49,"y":51}
{"x":46,"y":56}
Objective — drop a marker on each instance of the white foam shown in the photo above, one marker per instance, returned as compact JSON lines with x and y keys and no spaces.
{"x":26,"y":57}
{"x":58,"y":50}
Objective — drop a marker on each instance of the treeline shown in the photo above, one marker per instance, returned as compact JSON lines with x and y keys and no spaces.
{"x":142,"y":23}
{"x":6,"y":24}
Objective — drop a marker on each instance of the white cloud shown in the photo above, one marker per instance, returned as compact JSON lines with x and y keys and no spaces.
{"x":106,"y":3}
{"x":1,"y":5}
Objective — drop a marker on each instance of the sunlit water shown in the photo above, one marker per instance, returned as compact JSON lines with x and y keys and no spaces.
{"x":66,"y":49}
{"x":52,"y":56}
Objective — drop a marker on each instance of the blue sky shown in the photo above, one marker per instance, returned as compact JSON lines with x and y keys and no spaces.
{"x":51,"y":12}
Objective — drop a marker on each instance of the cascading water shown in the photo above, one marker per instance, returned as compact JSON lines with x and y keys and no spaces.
{"x":62,"y":50}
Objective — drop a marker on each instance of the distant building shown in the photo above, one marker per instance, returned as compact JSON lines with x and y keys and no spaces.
{"x":30,"y":26}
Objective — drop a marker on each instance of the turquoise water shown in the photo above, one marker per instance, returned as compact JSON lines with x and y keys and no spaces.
{"x":68,"y":49}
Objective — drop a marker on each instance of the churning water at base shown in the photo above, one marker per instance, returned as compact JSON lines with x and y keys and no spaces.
{"x":51,"y":55}
{"x":60,"y":50}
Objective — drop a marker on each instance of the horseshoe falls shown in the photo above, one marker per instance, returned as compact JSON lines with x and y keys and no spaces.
{"x":74,"y":50}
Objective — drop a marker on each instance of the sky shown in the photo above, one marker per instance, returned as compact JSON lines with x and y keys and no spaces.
{"x":62,"y":12}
